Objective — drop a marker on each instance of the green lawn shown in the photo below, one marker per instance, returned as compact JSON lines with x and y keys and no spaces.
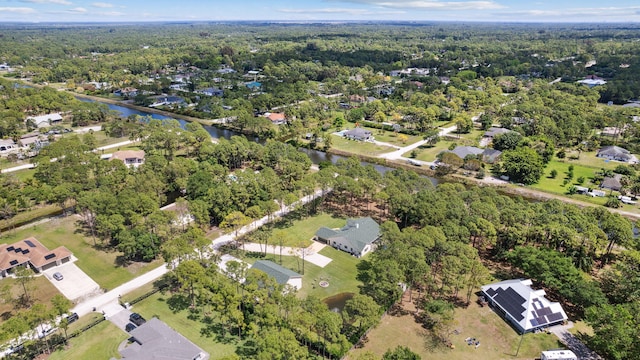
{"x":556,"y":185}
{"x":340,"y":273}
{"x":589,"y":159}
{"x":301,"y":231}
{"x":396,"y":139}
{"x":358,"y":147}
{"x":40,"y":290}
{"x":156,"y":305}
{"x":497,"y":339}
{"x":101,"y":266}
{"x":99,"y":342}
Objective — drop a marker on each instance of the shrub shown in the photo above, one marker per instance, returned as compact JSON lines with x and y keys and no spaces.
{"x":553,"y":173}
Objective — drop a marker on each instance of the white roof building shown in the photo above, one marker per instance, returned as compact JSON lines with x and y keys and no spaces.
{"x":525,"y":308}
{"x":45,"y":120}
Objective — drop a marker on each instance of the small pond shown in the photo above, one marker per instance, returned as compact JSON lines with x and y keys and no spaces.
{"x":336,"y":302}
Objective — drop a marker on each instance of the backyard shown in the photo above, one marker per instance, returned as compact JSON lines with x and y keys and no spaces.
{"x":340,"y":273}
{"x":101,"y":265}
{"x":102,"y":340}
{"x":497,"y":339}
{"x":358,"y":147}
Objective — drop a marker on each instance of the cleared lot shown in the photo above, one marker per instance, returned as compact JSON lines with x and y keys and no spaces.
{"x":75,"y":285}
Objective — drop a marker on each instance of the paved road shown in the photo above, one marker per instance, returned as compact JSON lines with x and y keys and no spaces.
{"x":395,"y":155}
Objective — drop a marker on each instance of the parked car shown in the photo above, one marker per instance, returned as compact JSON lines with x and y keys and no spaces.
{"x":72,"y":318}
{"x":137,"y":319}
{"x":129,"y":327}
{"x":58,"y":276}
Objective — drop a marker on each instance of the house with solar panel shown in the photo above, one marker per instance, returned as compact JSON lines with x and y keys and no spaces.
{"x":30,"y":252}
{"x":525,"y":308}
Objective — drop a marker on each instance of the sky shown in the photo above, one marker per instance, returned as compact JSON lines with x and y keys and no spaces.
{"x":318,"y":10}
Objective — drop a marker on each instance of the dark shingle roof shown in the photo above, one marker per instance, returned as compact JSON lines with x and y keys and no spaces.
{"x":281,"y":274}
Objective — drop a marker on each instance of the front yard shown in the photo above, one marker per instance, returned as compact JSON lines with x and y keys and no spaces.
{"x":101,"y":265}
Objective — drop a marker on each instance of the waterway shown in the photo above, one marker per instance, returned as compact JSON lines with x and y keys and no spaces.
{"x":217,"y":133}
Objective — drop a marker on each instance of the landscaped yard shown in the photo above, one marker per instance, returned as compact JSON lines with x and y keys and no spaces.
{"x":156,"y":305}
{"x":497,"y":339}
{"x":340,"y":273}
{"x":99,"y":342}
{"x":102,"y":266}
{"x":301,"y":231}
{"x":358,"y":147}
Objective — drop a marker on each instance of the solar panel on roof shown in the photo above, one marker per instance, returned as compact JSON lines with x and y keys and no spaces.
{"x":534,"y":322}
{"x":25,"y":251}
{"x":18,"y":250}
{"x":28,"y":242}
{"x":50,"y":256}
{"x":13,"y":262}
{"x":541,"y":320}
{"x":10,"y":248}
{"x":555,"y":317}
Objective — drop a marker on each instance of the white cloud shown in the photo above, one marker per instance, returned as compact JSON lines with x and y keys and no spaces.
{"x":346,"y":11}
{"x":575,"y":12}
{"x":78,"y":10}
{"x":58,"y":2}
{"x":429,"y":4}
{"x":102,"y":5}
{"x":17,"y":10}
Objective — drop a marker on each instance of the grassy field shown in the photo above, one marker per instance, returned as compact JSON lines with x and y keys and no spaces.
{"x":395,"y":138}
{"x":497,"y":339}
{"x":358,"y":147}
{"x":101,"y":266}
{"x":301,"y":231}
{"x":589,"y":159}
{"x":40,"y":290}
{"x":26,"y":216}
{"x":340,"y":273}
{"x":99,"y":342}
{"x":156,"y":305}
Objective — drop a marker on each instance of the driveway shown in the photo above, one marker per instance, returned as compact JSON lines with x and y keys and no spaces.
{"x":76,"y":285}
{"x":117,"y":314}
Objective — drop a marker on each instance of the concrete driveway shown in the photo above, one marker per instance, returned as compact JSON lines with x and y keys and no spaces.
{"x":76,"y":285}
{"x":118,"y":315}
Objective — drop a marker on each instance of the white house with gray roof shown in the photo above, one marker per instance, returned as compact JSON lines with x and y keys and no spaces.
{"x":282,"y":275}
{"x":358,"y":237}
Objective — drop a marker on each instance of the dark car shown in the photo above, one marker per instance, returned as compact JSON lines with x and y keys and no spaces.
{"x":137,"y":319}
{"x":129,"y":327}
{"x":72,"y":318}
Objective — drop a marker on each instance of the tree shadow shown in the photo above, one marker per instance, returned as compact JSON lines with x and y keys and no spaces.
{"x":178,"y":302}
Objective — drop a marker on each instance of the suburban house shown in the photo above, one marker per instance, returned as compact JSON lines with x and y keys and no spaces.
{"x":156,"y":340}
{"x":276,"y":118}
{"x":495,"y":131}
{"x":616,"y":153}
{"x":183,"y":216}
{"x":253,"y":85}
{"x":7,"y":146}
{"x":131,"y":158}
{"x":487,"y":155}
{"x":612,"y":182}
{"x":30,"y":252}
{"x":128,"y":91}
{"x":358,"y":237}
{"x":167,"y":100}
{"x":359,"y":134}
{"x":210,"y":91}
{"x":592,"y":80}
{"x":46,"y":120}
{"x":282,"y":275}
{"x":526,"y":309}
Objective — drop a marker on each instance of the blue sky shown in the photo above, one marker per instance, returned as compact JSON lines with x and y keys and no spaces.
{"x":309,"y":10}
